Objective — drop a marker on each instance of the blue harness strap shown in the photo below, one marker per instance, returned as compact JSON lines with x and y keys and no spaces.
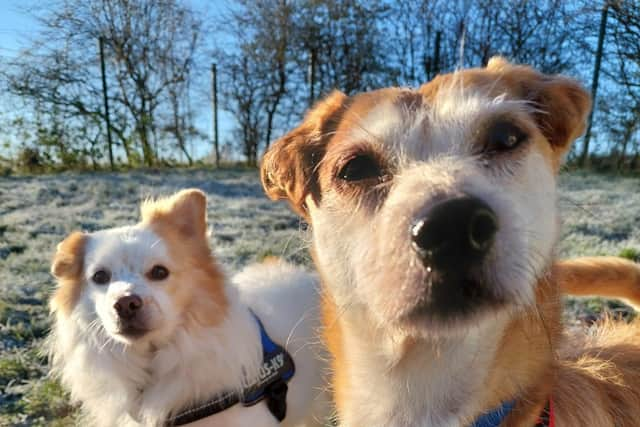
{"x":498,"y":415}
{"x":495,"y":417}
{"x":276,"y":370}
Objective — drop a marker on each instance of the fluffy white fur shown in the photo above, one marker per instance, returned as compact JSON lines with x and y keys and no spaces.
{"x":132,"y":382}
{"x":438,"y":384}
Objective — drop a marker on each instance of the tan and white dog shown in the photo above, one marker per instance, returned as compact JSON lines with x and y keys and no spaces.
{"x":434,"y":222}
{"x":147,"y":325}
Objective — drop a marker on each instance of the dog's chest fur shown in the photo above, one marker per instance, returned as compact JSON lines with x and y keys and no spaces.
{"x":437,"y":383}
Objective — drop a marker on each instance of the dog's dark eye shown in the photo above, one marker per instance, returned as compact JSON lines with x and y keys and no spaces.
{"x":360,"y":168}
{"x":158,"y":272}
{"x":101,"y":277}
{"x":503,"y":136}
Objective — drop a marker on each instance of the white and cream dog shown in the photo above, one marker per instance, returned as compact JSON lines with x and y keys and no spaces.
{"x":149,"y":331}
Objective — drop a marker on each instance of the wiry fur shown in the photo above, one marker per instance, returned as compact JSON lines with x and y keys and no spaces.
{"x":203,"y":339}
{"x":391,"y":368}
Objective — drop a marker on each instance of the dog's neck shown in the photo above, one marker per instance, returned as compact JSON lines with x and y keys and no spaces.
{"x":430,"y":381}
{"x":146,"y":383}
{"x":202,"y":362}
{"x":433,"y":381}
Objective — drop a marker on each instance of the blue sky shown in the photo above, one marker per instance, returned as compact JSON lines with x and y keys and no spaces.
{"x":14,"y":24}
{"x":17,"y":27}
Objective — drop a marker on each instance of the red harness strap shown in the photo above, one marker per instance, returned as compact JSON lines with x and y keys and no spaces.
{"x":547,"y":418}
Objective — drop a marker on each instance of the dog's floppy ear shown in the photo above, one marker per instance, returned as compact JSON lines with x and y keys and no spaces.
{"x":288,"y":167}
{"x":67,"y":266}
{"x":69,"y":258}
{"x":186,"y":211}
{"x":562,"y":104}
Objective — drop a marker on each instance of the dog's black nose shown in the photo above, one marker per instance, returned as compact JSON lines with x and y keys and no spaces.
{"x":128,"y":306}
{"x":455,"y":233}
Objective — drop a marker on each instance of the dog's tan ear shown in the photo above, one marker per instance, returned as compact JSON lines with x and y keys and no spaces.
{"x":562,"y":104}
{"x":288,"y":167}
{"x":67,"y":266}
{"x":186,"y":211}
{"x":69,"y":258}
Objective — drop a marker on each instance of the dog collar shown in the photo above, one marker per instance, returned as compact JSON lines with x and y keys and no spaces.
{"x":497,"y":416}
{"x":277,"y":369}
{"x":547,"y":417}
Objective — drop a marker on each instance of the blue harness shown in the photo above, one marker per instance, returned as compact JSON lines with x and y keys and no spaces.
{"x":495,"y":417}
{"x":276,"y":371}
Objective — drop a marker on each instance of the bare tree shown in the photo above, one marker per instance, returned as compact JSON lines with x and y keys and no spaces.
{"x":529,"y":32}
{"x":417,"y":28}
{"x":153,"y":44}
{"x":346,"y":40}
{"x":624,"y":70}
{"x":272,"y":21}
{"x":584,"y":156}
{"x":257,"y":70}
{"x":626,"y":35}
{"x":241,"y":94}
{"x":150,"y":48}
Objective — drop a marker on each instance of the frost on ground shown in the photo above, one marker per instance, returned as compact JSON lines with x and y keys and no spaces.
{"x":601,"y":215}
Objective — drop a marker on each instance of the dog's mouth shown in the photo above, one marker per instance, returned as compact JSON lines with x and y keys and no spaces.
{"x":132,"y":329}
{"x":452,"y":299}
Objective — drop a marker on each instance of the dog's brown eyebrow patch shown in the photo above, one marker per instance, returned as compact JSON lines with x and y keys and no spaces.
{"x":67,"y":267}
